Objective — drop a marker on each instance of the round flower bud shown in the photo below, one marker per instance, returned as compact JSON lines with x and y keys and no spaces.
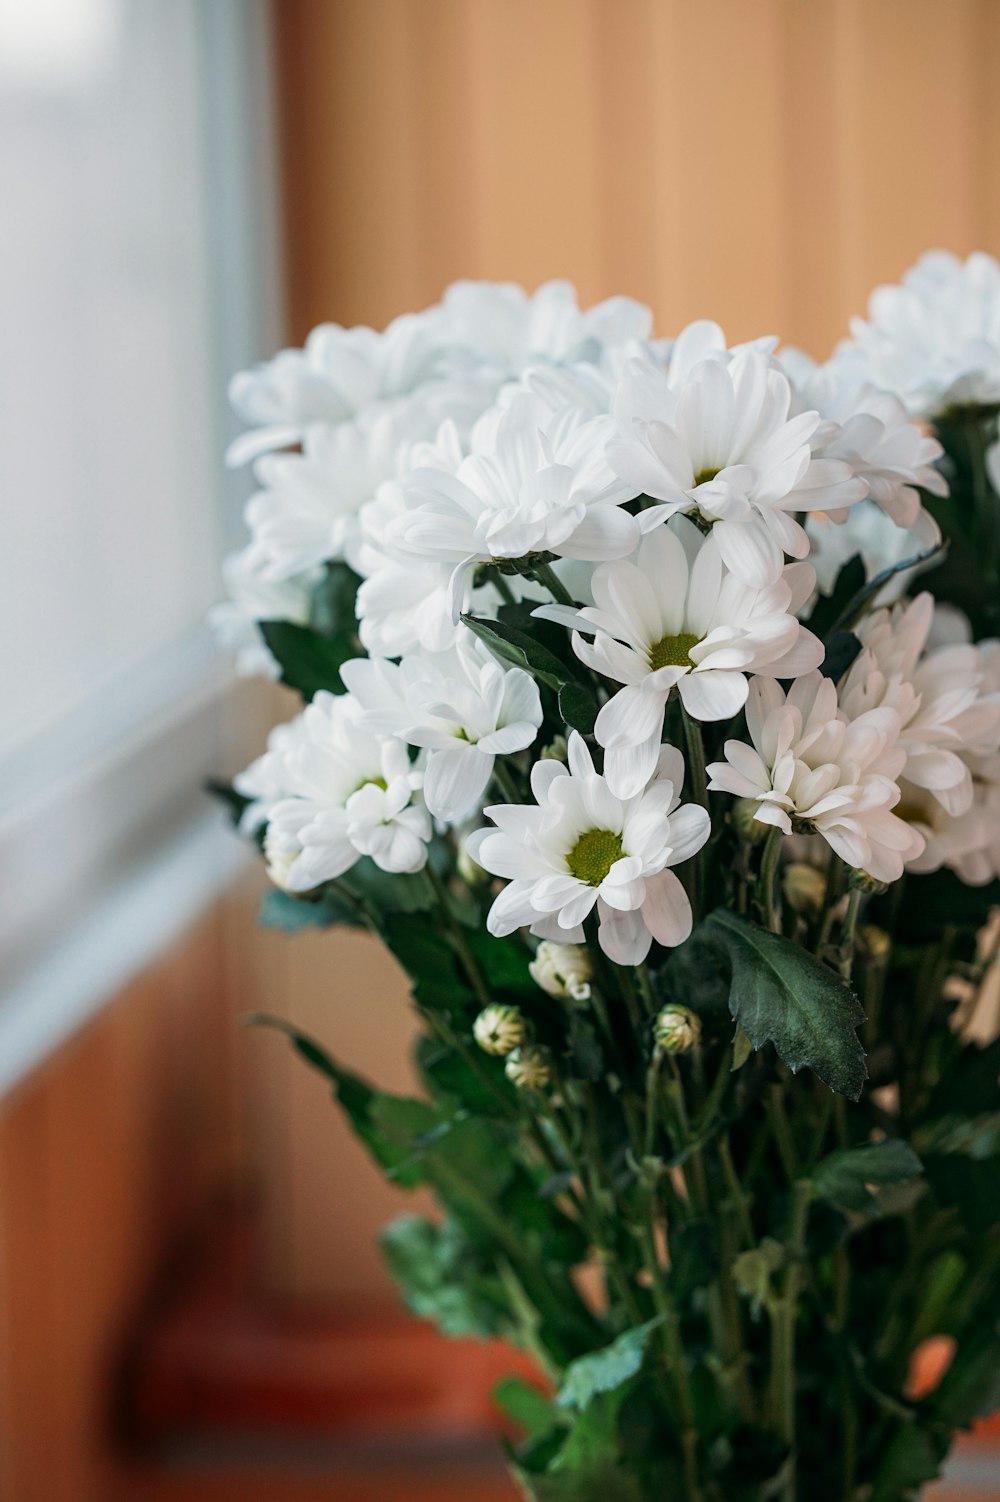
{"x":677,"y":1029}
{"x":874,"y":941}
{"x":804,"y":887}
{"x":747,"y":826}
{"x":498,"y":1029}
{"x":562,"y":970}
{"x":529,"y":1068}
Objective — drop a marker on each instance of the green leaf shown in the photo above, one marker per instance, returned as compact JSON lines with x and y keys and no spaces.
{"x":841,"y":650}
{"x":235,"y":803}
{"x":454,"y":1083}
{"x":308,"y":662}
{"x":388,"y":891}
{"x":333,"y":605}
{"x":828,"y":608}
{"x":858,"y":603}
{"x":779,"y":994}
{"x":604,"y":1370}
{"x":588,"y":1466}
{"x":294,"y":914}
{"x":911,"y":1458}
{"x":843,"y":1178}
{"x":388,"y":1125}
{"x":578,"y":707}
{"x":526,"y":1406}
{"x":442,"y":1279}
{"x":517,"y":649}
{"x":753,"y":1273}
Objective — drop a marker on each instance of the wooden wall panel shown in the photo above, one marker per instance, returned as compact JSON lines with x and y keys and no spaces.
{"x":109,"y":1156}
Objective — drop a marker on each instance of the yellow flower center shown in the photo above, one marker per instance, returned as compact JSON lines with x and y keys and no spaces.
{"x":593,"y":855}
{"x":704,"y":475}
{"x":673,"y":651}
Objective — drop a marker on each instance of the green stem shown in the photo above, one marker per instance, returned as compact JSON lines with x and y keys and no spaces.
{"x":505,"y":782}
{"x":847,"y":938}
{"x":783,"y":1331}
{"x":739,"y":1199}
{"x":502,"y":587}
{"x":459,"y":940}
{"x":545,"y":574}
{"x":667,"y":1310}
{"x":768,"y":878}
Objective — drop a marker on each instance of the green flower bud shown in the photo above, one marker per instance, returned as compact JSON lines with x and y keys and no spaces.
{"x":748,"y":827}
{"x":874,"y":941}
{"x":562,"y":970}
{"x":529,"y":1068}
{"x":677,"y":1029}
{"x":499,"y":1029}
{"x":557,"y":750}
{"x":804,"y":887}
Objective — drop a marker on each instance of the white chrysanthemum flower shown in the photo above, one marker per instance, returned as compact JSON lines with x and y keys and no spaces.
{"x":461,"y":706}
{"x":581,"y":847}
{"x":331,"y":791}
{"x":968,"y":843}
{"x":307,"y":510}
{"x":534,"y":482}
{"x":812,"y":765}
{"x":870,"y":430}
{"x":935,"y":339}
{"x":719,"y":439}
{"x":872,"y":535}
{"x":675,"y":617}
{"x":338,"y":374}
{"x":255,"y":596}
{"x":509,"y":328}
{"x":945,"y":714}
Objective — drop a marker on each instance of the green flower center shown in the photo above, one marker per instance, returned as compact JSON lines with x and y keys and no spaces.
{"x":703,"y":476}
{"x":373,"y":782}
{"x":673,"y":651}
{"x":593,"y":855}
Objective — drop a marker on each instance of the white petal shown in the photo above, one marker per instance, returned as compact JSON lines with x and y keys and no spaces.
{"x":713,"y":696}
{"x":666,"y":910}
{"x":624,"y":937}
{"x":455,"y":781}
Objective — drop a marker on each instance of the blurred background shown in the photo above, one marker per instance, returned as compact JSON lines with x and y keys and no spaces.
{"x":192,"y":1305}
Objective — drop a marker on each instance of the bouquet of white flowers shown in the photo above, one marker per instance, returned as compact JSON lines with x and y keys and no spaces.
{"x":653,"y":723}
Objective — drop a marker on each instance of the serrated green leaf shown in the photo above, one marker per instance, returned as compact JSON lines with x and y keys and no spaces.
{"x":843,"y":1178}
{"x":388,"y":1125}
{"x":442,"y":1279}
{"x":604,"y":1370}
{"x":308,"y":662}
{"x":779,"y":994}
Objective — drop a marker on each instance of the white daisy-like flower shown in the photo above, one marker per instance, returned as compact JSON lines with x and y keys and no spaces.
{"x":307,"y":510}
{"x":509,"y":328}
{"x":812,"y":767}
{"x":338,"y":374}
{"x":580,"y":847}
{"x":871,"y":431}
{"x":255,"y":596}
{"x":675,"y":617}
{"x":461,"y":706}
{"x":330,"y":792}
{"x":935,"y":339}
{"x":872,"y":535}
{"x":946,"y":710}
{"x":719,"y":438}
{"x":534,"y":482}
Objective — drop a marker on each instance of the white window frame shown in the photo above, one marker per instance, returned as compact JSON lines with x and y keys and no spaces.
{"x":112,"y":848}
